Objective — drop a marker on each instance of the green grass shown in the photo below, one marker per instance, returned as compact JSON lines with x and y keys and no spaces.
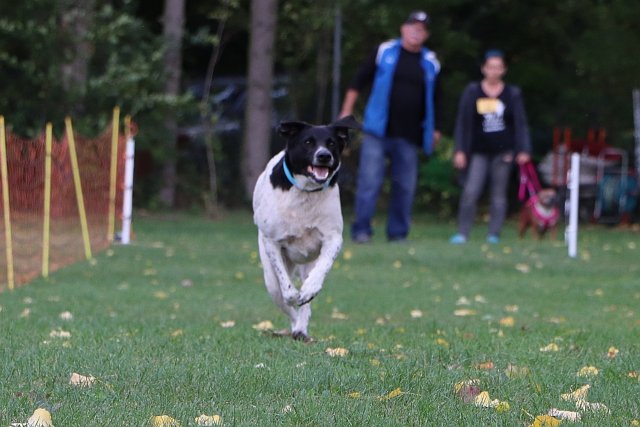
{"x":157,"y":346}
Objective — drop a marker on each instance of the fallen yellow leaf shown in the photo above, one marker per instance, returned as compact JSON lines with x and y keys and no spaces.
{"x":337,"y":315}
{"x":337,"y":352}
{"x":355,"y":395}
{"x":503,"y":407}
{"x":263,"y":326}
{"x":484,"y":401}
{"x":395,"y":393}
{"x":164,"y":421}
{"x":579,"y":394}
{"x":550,"y":347}
{"x":40,"y":418}
{"x":208,"y":420}
{"x":485,"y":366}
{"x":588,"y":371}
{"x":81,"y":380}
{"x":347,"y":255}
{"x":464,"y":312}
{"x":545,"y":421}
{"x":507,"y":321}
{"x":161,"y":295}
{"x":177,"y":333}
{"x":612,"y":352}
{"x":442,"y":342}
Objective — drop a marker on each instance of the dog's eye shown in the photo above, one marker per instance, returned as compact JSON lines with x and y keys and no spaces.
{"x":331,"y":143}
{"x":308,"y":141}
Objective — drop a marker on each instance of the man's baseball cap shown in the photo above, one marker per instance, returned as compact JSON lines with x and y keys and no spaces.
{"x":418,"y":16}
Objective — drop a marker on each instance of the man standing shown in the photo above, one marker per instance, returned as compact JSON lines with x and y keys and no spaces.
{"x":399,"y":117}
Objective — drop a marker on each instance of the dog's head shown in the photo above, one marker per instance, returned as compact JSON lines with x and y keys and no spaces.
{"x":547,"y":197}
{"x":312,"y":154}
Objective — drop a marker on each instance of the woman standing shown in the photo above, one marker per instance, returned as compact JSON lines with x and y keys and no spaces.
{"x":491,"y":130}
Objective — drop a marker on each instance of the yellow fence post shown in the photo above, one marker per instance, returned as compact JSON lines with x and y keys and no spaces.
{"x":78,"y":186}
{"x":114,"y":174}
{"x":5,"y":203}
{"x":47,"y":201}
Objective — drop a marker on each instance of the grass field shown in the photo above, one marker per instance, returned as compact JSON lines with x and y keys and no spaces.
{"x":167,"y":326}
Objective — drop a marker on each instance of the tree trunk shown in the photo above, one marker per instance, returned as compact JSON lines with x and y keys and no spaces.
{"x":77,"y":19}
{"x":173,"y":28}
{"x":256,"y":147}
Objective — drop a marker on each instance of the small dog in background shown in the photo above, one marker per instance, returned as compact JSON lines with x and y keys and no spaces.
{"x":541,"y":214}
{"x":296,"y":205}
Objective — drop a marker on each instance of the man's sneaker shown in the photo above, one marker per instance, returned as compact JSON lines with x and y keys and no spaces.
{"x":361,"y":239}
{"x":492,"y":239}
{"x":458,"y":239}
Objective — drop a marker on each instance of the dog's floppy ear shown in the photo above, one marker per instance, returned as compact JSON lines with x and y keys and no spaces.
{"x":343,"y":125}
{"x":290,"y":129}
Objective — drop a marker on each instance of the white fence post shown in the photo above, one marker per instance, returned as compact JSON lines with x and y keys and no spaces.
{"x":127,"y":202}
{"x":574,"y":193}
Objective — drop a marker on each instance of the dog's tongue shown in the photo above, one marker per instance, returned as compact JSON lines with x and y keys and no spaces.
{"x":320,"y":173}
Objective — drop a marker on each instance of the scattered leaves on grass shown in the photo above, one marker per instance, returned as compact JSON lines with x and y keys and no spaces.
{"x":392,"y":394}
{"x":579,"y":394}
{"x":545,"y":421}
{"x":337,"y":352}
{"x":265,"y":325}
{"x":208,"y":420}
{"x":552,"y":347}
{"x":564,"y":415}
{"x":81,"y":380}
{"x":612,"y":352}
{"x":164,"y":421}
{"x":588,"y":371}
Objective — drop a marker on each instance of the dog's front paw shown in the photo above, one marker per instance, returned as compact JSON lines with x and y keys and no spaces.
{"x":291,"y":296}
{"x":306,"y":297}
{"x":301,"y":336}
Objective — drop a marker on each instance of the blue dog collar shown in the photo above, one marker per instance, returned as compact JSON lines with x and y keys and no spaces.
{"x":295,"y":183}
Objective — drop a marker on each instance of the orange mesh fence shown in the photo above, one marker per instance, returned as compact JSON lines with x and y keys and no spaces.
{"x":26,"y":187}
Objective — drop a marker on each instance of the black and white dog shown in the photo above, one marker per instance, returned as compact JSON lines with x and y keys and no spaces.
{"x":296,"y":205}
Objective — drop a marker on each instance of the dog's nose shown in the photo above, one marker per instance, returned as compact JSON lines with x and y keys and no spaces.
{"x":323,"y":157}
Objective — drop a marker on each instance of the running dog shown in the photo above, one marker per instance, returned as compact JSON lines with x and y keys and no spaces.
{"x":296,"y":205}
